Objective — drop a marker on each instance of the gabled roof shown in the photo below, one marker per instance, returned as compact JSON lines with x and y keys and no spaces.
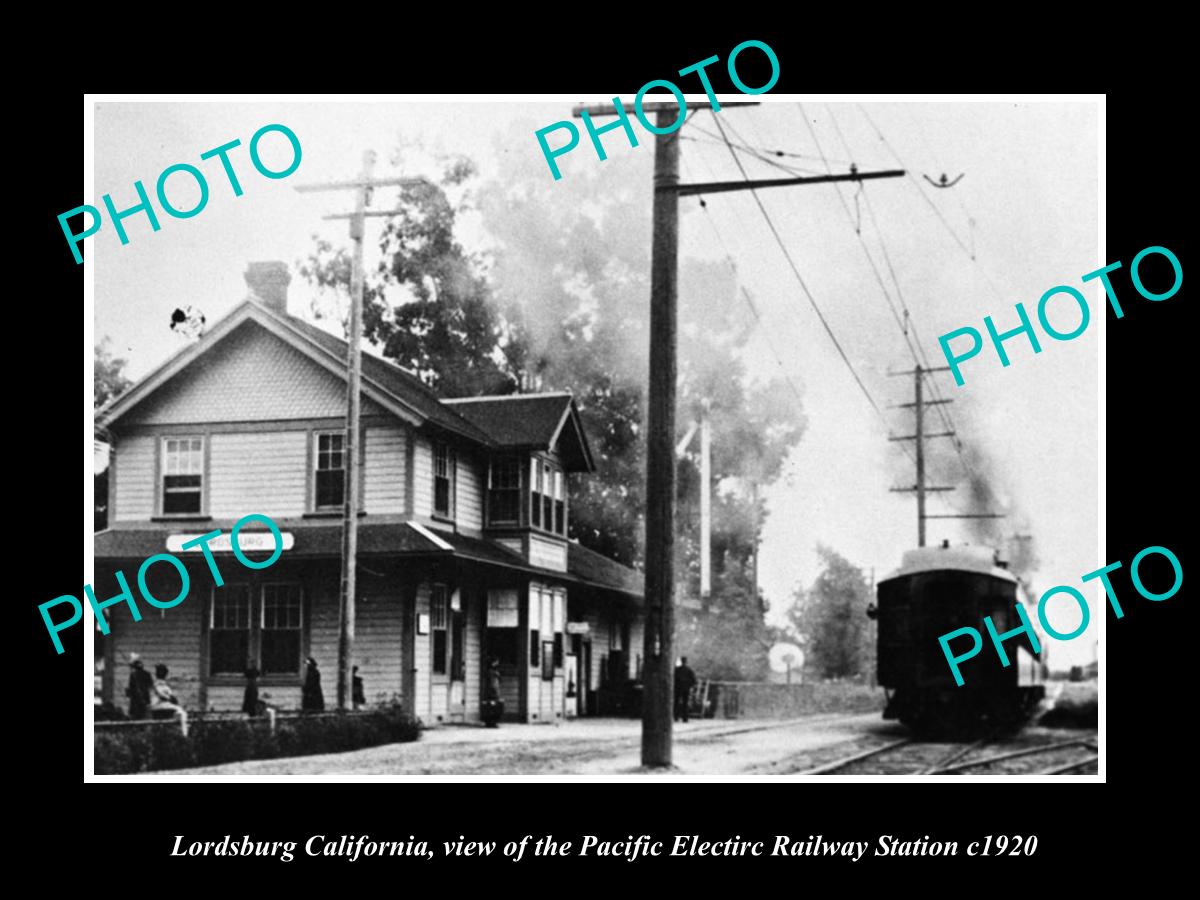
{"x":531,"y":422}
{"x":398,"y":381}
{"x":398,"y":391}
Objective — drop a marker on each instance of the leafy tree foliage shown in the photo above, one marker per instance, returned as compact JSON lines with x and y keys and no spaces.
{"x":830,"y":620}
{"x":560,"y":302}
{"x":109,"y":381}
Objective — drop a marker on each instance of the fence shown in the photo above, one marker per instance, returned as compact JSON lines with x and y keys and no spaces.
{"x":761,"y":700}
{"x":271,"y":718}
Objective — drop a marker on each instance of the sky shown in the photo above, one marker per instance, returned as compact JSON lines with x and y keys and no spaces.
{"x":1026,"y":209}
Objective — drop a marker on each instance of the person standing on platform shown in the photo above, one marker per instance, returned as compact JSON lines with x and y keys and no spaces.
{"x":138,"y":692}
{"x":250,"y":703}
{"x":312,"y":699}
{"x":685,"y":680}
{"x":358,"y":694}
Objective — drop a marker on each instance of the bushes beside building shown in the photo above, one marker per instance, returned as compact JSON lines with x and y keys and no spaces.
{"x":133,"y":748}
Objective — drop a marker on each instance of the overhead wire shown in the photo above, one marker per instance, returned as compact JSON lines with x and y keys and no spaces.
{"x":750,"y":303}
{"x":940,"y":215}
{"x":920,"y":356}
{"x":804,"y":286}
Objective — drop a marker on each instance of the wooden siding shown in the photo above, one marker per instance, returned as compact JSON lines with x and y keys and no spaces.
{"x":378,"y":634}
{"x":545,"y":696}
{"x":422,"y":504}
{"x":134,"y":493}
{"x":547,"y":553}
{"x":474,"y":601}
{"x":250,"y":376}
{"x":258,"y":472}
{"x":470,"y":481}
{"x":383,"y":490}
{"x":167,"y":636}
{"x":422,"y":658}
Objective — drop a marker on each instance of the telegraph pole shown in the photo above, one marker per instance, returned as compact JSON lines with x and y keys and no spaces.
{"x":658,"y":671}
{"x":658,"y":668}
{"x":918,"y":405}
{"x":705,"y":506}
{"x":348,"y":586}
{"x":921,"y":488}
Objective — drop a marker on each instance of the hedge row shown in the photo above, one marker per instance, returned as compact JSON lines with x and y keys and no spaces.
{"x":157,"y":747}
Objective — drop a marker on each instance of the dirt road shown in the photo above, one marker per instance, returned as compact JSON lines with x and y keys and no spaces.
{"x":593,"y":747}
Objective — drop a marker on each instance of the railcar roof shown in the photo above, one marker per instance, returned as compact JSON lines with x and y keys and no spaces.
{"x":980,"y":560}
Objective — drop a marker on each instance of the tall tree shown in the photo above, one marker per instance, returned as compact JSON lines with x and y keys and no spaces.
{"x":560,"y":302}
{"x":428,"y":305}
{"x":109,"y":371}
{"x":830,"y":619}
{"x":109,"y":381}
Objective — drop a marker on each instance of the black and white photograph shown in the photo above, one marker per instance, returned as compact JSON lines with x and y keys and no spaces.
{"x":511,"y":437}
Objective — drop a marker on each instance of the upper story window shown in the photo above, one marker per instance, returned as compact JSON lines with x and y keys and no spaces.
{"x":330,"y":476}
{"x":547,"y":497}
{"x":560,"y":507}
{"x":535,"y":492}
{"x":443,"y":481}
{"x":504,"y":491}
{"x":183,"y":475}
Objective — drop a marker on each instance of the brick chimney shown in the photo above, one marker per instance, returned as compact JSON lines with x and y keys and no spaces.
{"x":269,"y":283}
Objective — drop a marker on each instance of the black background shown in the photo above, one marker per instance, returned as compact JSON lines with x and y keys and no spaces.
{"x":122,"y":833}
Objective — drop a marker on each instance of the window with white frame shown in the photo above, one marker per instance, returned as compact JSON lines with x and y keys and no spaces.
{"x":281,"y":634}
{"x":439,"y":614}
{"x":535,"y":492}
{"x":256,"y":625}
{"x":560,"y":517}
{"x":229,"y":630}
{"x":443,"y":481}
{"x":183,"y":475}
{"x":504,"y":490}
{"x":560,"y":617}
{"x":330,"y":474}
{"x":535,"y":627}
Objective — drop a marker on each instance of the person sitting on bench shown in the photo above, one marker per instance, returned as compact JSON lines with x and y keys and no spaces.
{"x":163,"y":703}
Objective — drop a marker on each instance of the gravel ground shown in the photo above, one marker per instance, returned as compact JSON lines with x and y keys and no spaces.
{"x":580,"y":747}
{"x":612,"y":746}
{"x":913,"y":758}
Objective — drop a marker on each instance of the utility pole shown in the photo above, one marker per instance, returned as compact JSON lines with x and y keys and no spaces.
{"x":918,"y":405}
{"x":921,"y":488}
{"x":702,"y":425}
{"x":705,"y":507}
{"x":658,"y":670}
{"x":348,"y":586}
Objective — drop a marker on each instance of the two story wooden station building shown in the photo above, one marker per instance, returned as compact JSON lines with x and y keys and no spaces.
{"x":463,"y":548}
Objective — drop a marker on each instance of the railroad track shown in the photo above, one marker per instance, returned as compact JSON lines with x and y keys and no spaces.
{"x":957,"y":761}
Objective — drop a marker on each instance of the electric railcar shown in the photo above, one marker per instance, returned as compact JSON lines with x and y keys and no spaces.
{"x":937,"y":590}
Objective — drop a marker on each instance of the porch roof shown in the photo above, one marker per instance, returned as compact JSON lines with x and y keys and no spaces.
{"x":134,"y":542}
